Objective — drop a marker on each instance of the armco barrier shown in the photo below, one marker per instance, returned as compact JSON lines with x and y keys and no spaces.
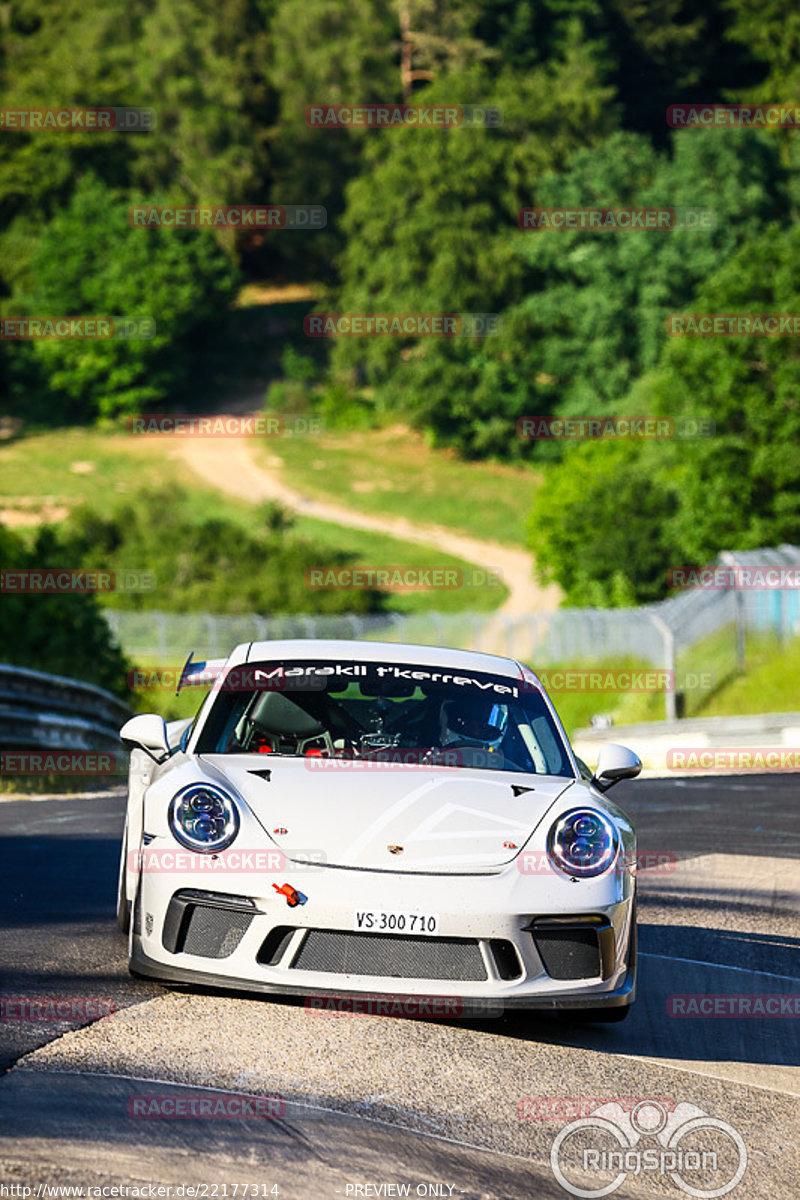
{"x":654,"y":740}
{"x":55,"y":713}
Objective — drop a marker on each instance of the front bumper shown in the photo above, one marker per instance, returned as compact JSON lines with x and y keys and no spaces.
{"x":504,"y":909}
{"x":622,"y":996}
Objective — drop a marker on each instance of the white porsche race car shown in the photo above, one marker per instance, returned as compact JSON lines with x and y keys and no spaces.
{"x":371,"y":819}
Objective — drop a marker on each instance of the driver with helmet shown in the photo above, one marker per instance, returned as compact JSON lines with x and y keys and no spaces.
{"x":473,"y":721}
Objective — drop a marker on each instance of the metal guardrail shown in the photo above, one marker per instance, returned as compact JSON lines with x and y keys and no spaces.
{"x":55,"y":713}
{"x":715,"y":730}
{"x":743,"y":744}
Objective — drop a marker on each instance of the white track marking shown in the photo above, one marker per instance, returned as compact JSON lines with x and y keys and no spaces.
{"x":697,"y":962}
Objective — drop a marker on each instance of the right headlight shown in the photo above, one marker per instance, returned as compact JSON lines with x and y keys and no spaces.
{"x":582,"y":842}
{"x":203,"y":817}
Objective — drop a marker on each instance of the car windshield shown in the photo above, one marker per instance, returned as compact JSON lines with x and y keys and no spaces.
{"x":386,"y":713}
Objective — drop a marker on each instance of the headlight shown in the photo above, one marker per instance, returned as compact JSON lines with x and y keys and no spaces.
{"x":582,"y":842}
{"x":203,"y":817}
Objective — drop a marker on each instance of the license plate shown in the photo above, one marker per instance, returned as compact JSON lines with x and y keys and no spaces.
{"x":391,"y":920}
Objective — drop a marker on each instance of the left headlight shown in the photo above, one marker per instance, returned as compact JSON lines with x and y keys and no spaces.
{"x":203,"y":817}
{"x":583,"y":842}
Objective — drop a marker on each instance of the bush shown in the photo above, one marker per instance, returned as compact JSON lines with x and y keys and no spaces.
{"x":62,"y":634}
{"x":89,"y":261}
{"x":209,"y":564}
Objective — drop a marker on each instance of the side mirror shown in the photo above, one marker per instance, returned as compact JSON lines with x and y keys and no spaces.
{"x":615,"y":763}
{"x":147,"y":732}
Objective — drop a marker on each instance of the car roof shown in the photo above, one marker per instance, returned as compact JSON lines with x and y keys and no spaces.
{"x":330,"y":649}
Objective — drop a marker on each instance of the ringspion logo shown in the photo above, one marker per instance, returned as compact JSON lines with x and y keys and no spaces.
{"x":701,"y":1154}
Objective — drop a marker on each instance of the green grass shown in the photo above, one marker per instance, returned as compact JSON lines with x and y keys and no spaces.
{"x":53,"y":472}
{"x":770,"y":683}
{"x":393,"y":472}
{"x":577,"y":707}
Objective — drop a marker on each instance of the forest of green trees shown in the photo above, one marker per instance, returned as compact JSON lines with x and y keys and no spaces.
{"x":425,"y":219}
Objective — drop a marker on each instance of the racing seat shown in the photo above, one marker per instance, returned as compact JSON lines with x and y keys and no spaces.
{"x":285,"y":726}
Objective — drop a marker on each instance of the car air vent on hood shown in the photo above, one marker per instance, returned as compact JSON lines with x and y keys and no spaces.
{"x":265,"y":774}
{"x":518,"y":789}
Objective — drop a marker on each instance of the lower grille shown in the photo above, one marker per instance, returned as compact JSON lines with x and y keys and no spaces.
{"x":340,"y":953}
{"x":568,"y":953}
{"x":195,"y":924}
{"x":215,"y":933}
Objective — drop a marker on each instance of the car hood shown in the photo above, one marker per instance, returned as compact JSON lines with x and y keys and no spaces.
{"x":446,"y":820}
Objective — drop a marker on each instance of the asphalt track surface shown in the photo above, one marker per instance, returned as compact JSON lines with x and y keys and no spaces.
{"x":373,"y":1105}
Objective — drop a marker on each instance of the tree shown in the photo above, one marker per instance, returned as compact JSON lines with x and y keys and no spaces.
{"x":593,"y":318}
{"x":209,"y":564}
{"x":63,"y":634}
{"x":598,"y":526}
{"x":428,"y":221}
{"x":740,"y":488}
{"x":324,"y":54}
{"x":682,"y":501}
{"x":90,"y":261}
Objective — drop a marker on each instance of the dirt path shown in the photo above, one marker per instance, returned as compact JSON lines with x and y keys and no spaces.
{"x":228,"y":464}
